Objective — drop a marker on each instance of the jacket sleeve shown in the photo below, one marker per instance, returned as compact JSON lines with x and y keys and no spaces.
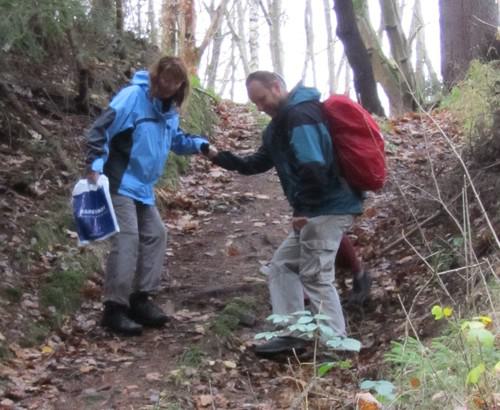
{"x":185,"y":144}
{"x":312,"y":147}
{"x":256,"y":163}
{"x":117,"y":118}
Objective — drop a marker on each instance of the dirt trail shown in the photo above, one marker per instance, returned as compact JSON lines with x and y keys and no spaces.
{"x":222,"y":227}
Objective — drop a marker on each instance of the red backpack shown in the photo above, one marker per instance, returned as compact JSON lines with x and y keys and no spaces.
{"x":358,"y":143}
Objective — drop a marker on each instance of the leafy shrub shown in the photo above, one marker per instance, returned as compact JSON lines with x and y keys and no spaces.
{"x":474,"y":103}
{"x":456,"y":368}
{"x":33,"y":27}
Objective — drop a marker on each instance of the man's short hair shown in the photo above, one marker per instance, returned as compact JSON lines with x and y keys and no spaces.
{"x":267,"y":78}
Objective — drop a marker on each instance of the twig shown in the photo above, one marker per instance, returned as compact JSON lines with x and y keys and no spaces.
{"x":299,"y":399}
{"x":411,"y":232}
{"x":485,"y":22}
{"x":431,"y":269}
{"x":460,"y":160}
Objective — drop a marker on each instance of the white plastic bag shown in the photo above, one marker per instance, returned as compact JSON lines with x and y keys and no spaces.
{"x":93,"y":211}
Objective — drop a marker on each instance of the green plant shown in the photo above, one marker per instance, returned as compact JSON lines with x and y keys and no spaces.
{"x":459,"y":366}
{"x":306,"y":325}
{"x":191,"y":357}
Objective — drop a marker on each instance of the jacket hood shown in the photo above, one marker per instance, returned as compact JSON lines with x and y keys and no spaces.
{"x":300,"y":94}
{"x":141,"y":78}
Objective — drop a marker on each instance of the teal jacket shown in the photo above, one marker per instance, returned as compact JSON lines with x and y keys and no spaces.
{"x":297,"y":143}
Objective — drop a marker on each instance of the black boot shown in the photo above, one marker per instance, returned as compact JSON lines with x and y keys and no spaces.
{"x":282,"y":345}
{"x":115,"y":319}
{"x":145,"y":312}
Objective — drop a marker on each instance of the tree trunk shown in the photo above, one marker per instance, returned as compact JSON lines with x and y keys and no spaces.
{"x":330,"y":51}
{"x":119,"y":16}
{"x":238,"y":34}
{"x":386,"y":72}
{"x":273,"y":18}
{"x":308,"y":26}
{"x":215,"y":24}
{"x":400,"y":51}
{"x":213,"y":65}
{"x":468,"y":31}
{"x":253,"y":38}
{"x":364,"y":81}
{"x":169,"y":25}
{"x":425,"y":85}
{"x":152,"y":29}
{"x":187,"y":39}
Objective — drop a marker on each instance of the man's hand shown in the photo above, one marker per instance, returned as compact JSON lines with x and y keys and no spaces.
{"x":92,"y":177}
{"x":298,"y":223}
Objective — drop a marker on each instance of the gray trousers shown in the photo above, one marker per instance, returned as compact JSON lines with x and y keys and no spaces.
{"x":305,"y":261}
{"x":137,"y":252}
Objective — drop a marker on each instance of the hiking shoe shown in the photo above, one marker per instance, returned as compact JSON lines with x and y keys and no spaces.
{"x":115,"y":319}
{"x":283,"y":345}
{"x":144,"y":311}
{"x":360,"y":289}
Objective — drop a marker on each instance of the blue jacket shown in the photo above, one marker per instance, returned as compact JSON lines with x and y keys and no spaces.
{"x":298,"y":144}
{"x":131,"y":140}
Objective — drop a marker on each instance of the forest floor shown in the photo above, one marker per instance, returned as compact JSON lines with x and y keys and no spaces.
{"x":222,"y":227}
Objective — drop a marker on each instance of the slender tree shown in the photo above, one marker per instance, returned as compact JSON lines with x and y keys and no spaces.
{"x":330,"y":51}
{"x":423,"y":63}
{"x":400,"y":50}
{"x":357,"y":55}
{"x":309,"y":55}
{"x":273,"y":19}
{"x":119,"y":15}
{"x":385,"y":70}
{"x":152,"y":28}
{"x":238,"y":33}
{"x":253,"y":36}
{"x":169,"y":12}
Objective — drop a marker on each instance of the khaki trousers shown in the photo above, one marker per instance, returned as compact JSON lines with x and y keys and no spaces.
{"x":305,"y":261}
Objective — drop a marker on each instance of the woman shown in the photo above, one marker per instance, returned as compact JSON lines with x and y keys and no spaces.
{"x":130,"y":143}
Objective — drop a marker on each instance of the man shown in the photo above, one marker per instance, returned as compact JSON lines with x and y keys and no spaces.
{"x":297,"y":143}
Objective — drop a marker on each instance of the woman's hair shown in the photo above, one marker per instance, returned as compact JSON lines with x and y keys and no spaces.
{"x":173,"y":68}
{"x":267,"y":78}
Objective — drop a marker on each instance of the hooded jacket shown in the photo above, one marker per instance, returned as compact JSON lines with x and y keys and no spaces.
{"x":131,"y":140}
{"x":298,"y":144}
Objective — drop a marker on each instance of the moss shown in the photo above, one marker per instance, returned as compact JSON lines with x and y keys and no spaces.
{"x":35,"y":334}
{"x":240,"y":311}
{"x":12,"y":294}
{"x":5,"y":353}
{"x":51,"y":229}
{"x":62,"y":291}
{"x":199,"y":118}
